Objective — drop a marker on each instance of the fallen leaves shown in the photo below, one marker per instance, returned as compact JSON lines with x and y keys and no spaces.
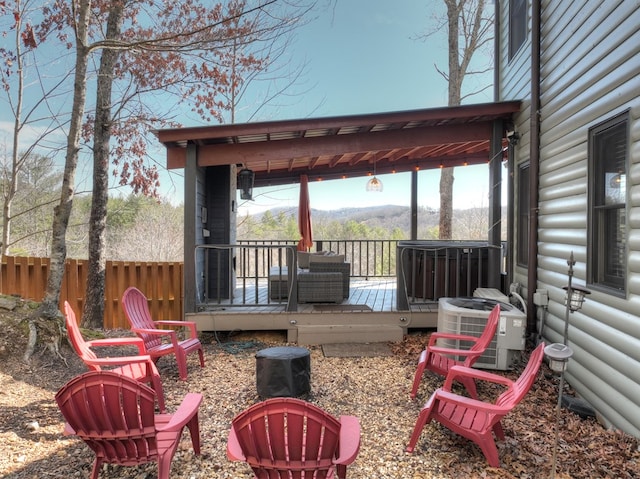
{"x":374,"y":389}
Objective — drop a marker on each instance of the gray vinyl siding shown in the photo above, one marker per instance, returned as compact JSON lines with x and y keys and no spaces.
{"x":515,"y":84}
{"x":590,"y":72}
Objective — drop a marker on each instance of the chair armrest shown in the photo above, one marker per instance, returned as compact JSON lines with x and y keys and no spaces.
{"x":159,"y":332}
{"x":234,"y":451}
{"x":462,"y":337}
{"x":349,"y":440}
{"x":131,"y":341}
{"x":119,"y":360}
{"x":469,"y":403}
{"x":453,"y":351}
{"x":191,"y":325}
{"x":186,"y":411}
{"x":462,"y":371}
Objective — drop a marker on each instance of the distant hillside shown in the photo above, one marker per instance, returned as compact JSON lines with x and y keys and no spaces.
{"x":468,"y":224}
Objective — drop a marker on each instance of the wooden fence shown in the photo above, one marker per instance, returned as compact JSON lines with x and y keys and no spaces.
{"x":160,"y":282}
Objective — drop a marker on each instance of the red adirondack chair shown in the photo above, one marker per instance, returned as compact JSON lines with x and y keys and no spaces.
{"x":440,"y":359}
{"x":160,"y":342}
{"x":288,"y":437}
{"x":140,"y":368}
{"x":114,"y":416}
{"x":477,"y":420}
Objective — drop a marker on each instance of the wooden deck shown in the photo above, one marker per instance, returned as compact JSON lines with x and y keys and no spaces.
{"x":369,"y":314}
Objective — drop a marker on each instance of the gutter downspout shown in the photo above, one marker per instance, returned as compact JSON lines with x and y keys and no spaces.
{"x":534,"y":165}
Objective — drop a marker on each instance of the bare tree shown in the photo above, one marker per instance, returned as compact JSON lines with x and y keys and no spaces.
{"x":40,"y":119}
{"x":466,"y":23}
{"x":216,"y":62}
{"x":190,"y":30}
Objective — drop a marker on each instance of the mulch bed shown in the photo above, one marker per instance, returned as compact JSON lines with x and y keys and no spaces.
{"x":375,"y":389}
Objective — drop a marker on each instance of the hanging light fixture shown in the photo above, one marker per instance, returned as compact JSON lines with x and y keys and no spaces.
{"x":374,"y":184}
{"x":245,"y":183}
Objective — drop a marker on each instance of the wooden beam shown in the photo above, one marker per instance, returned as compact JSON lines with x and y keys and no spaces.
{"x":225,"y":154}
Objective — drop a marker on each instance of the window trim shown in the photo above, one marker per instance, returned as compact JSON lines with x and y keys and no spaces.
{"x":522,"y":248}
{"x":597,"y":276}
{"x":518,"y":23}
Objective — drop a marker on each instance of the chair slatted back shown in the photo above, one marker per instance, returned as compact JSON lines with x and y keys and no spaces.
{"x":512,"y":396}
{"x":489,"y":331}
{"x":77,"y":341}
{"x":136,"y":308}
{"x":288,"y":437}
{"x":113,"y":414}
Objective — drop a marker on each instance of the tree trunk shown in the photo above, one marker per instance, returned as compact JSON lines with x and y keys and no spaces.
{"x":93,"y":314}
{"x":48,"y":310}
{"x":446,"y":204}
{"x":445,"y":230}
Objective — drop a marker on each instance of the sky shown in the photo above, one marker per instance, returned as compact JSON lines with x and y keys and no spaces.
{"x":364,"y":56}
{"x":361,"y":56}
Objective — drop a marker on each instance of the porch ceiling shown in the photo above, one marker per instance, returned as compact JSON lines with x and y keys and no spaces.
{"x":347,"y":146}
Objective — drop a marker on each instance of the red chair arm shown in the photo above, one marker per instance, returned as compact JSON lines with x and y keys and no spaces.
{"x":453,"y":351}
{"x":462,"y":337}
{"x":132,"y":341}
{"x":349,"y":440}
{"x":469,"y":403}
{"x":191,"y":325}
{"x":462,"y":371}
{"x":119,"y":360}
{"x":234,"y":451}
{"x":186,"y":411}
{"x":159,"y":332}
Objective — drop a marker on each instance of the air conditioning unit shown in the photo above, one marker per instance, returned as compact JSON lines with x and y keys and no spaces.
{"x":469,"y":316}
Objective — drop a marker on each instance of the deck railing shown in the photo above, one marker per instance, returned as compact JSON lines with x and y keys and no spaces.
{"x":368,"y":258}
{"x":237,"y":275}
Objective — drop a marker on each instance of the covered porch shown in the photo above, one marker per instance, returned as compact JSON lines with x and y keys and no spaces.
{"x":279,"y":153}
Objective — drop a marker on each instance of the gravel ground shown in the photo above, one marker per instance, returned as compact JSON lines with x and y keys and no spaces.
{"x":375,"y":389}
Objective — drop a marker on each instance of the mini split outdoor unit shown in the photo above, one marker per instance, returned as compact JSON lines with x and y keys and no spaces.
{"x":469,"y":316}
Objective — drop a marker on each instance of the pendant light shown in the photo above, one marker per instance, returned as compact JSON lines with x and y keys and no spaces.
{"x":374,"y":184}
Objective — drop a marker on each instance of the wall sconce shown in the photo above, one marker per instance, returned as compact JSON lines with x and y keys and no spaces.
{"x":513,"y":137}
{"x":245,"y":183}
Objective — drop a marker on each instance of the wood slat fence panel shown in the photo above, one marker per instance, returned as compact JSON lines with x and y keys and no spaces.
{"x":160,"y":282}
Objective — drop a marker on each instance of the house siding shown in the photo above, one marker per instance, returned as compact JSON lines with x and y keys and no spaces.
{"x":590,"y":71}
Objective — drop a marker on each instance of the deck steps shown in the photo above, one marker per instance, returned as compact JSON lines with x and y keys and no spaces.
{"x":348,"y":333}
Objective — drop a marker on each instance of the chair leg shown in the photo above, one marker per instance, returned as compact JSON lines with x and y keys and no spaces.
{"x":181,"y":359}
{"x":194,"y":432}
{"x":497,"y":430}
{"x":156,"y":384}
{"x":164,"y":465}
{"x":470,"y":386}
{"x":422,"y":363}
{"x":201,"y":354}
{"x":424,"y":418}
{"x":489,"y":449}
{"x":95,"y":470}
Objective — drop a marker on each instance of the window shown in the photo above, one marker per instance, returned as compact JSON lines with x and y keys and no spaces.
{"x":522,"y":252}
{"x":607,"y":203}
{"x":517,"y":25}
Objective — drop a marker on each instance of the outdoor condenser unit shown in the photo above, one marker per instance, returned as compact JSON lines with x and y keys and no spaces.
{"x":469,"y":316}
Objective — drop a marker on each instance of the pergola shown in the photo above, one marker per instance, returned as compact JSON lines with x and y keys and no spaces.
{"x":278,"y":152}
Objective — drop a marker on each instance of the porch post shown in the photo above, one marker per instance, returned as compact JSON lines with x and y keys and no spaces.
{"x":190,"y":194}
{"x":495,"y":205}
{"x":414,"y":204}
